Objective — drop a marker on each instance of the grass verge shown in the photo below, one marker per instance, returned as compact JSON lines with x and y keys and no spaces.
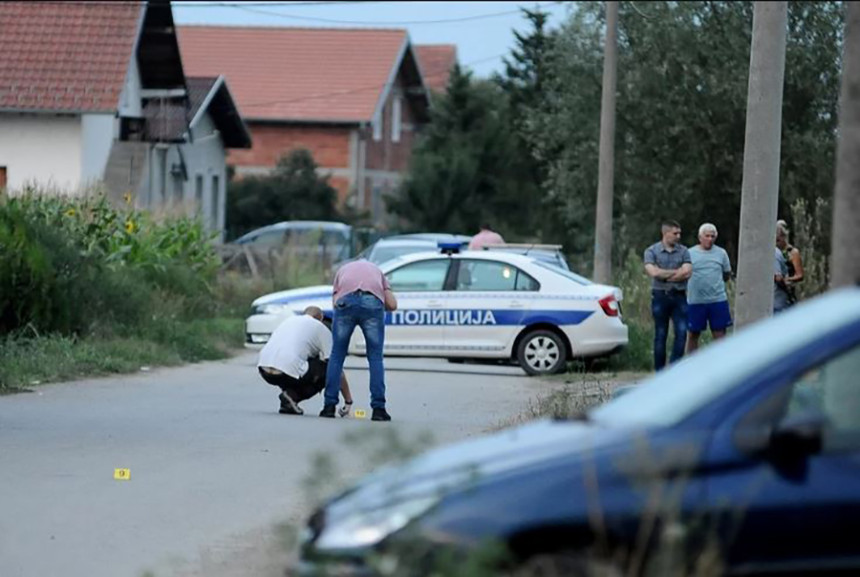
{"x":25,"y":362}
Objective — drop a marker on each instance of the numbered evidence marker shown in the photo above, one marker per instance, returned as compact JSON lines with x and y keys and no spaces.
{"x":360,"y":413}
{"x":122,"y":474}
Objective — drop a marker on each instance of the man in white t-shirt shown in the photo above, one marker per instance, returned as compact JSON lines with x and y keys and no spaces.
{"x":295,"y":359}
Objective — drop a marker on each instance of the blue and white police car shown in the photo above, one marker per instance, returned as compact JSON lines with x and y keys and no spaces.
{"x":475,"y":305}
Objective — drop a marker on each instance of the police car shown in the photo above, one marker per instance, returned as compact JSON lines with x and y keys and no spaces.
{"x":475,"y":305}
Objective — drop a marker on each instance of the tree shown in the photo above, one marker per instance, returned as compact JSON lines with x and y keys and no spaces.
{"x":522,"y":82}
{"x":465,"y":168}
{"x":293,"y":191}
{"x":682,"y":87}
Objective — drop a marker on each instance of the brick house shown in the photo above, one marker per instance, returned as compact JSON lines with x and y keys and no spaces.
{"x":355,"y":98}
{"x":94,"y":95}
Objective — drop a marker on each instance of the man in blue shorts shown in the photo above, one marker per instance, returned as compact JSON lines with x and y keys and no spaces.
{"x":707,"y":302}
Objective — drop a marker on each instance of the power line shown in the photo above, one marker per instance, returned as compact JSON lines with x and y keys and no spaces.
{"x":246,"y":8}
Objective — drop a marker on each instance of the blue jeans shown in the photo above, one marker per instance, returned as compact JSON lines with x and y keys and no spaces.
{"x":366,"y":311}
{"x":664,"y":306}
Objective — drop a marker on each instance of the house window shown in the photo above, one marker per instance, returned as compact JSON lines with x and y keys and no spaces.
{"x":215,"y":194}
{"x":161,"y":178}
{"x":377,"y":128}
{"x":198,"y":193}
{"x":396,"y":119}
{"x":2,"y":177}
{"x":176,"y":178}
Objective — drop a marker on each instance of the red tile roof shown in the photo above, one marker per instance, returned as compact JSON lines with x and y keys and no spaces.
{"x":436,"y":61}
{"x":65,"y":57}
{"x":303,"y":74}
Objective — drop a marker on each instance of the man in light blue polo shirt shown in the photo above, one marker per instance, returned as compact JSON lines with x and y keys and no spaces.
{"x":707,"y":301}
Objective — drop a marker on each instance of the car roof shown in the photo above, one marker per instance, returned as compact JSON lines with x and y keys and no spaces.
{"x":297,"y":224}
{"x":428,"y":236}
{"x":512,"y":258}
{"x":431,"y":245}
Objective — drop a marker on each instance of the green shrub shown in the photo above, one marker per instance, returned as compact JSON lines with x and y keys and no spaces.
{"x":73,"y":265}
{"x":44,"y":276}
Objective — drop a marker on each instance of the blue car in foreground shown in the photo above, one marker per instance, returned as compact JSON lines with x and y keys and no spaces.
{"x":743,"y":458}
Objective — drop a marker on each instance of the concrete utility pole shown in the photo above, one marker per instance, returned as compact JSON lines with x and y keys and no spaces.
{"x":760,"y":189}
{"x":845,"y":264}
{"x":606,"y":166}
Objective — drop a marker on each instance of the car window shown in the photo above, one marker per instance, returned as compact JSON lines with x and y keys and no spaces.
{"x":386,"y":253}
{"x":832,"y":389}
{"x":525,"y":282}
{"x":487,"y":275}
{"x":423,"y":276}
{"x":269,"y":238}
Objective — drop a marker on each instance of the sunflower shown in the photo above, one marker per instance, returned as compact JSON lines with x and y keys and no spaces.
{"x":129,"y":226}
{"x":127,"y":197}
{"x":71,"y":212}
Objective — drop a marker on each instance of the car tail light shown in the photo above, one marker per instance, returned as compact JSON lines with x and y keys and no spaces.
{"x":609,"y":305}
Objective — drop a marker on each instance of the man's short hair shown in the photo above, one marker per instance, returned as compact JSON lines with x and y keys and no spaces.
{"x":708,"y":227}
{"x":669,"y":224}
{"x":486,"y":226}
{"x":315,"y":312}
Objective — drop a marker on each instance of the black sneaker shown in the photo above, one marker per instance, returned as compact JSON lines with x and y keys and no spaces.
{"x":380,"y":415}
{"x":328,"y":411}
{"x":288,"y":405}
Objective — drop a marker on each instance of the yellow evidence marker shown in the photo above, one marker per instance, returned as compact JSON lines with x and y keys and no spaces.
{"x":122,"y":474}
{"x":360,"y":413}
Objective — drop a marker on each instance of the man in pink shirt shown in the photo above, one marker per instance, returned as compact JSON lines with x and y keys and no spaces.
{"x":360,"y":297}
{"x":485,"y":237}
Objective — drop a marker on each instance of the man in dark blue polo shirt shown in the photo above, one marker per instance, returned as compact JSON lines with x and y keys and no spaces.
{"x":669,"y":266}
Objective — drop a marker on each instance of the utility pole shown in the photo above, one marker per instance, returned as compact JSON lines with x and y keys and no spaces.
{"x":606,"y":163}
{"x":760,"y":188}
{"x":845,"y":264}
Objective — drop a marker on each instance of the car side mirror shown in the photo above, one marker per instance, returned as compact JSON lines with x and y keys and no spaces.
{"x":798,"y":436}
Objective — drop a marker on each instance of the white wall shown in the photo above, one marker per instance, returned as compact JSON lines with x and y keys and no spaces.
{"x":41,"y":148}
{"x":204,"y":158}
{"x":97,"y":134}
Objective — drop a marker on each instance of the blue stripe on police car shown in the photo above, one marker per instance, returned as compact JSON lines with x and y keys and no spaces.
{"x":483,"y":317}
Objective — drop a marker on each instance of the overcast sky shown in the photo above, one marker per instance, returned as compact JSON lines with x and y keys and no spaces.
{"x":482,"y":31}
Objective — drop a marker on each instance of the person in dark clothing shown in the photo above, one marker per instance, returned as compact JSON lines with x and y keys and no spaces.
{"x":668,"y":264}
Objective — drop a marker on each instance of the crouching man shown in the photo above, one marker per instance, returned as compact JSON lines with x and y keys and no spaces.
{"x":295,"y":359}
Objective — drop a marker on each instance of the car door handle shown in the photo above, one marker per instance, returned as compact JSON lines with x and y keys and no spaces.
{"x":517,"y":305}
{"x":434,"y":304}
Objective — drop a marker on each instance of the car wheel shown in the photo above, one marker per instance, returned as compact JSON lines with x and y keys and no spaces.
{"x":542,"y":352}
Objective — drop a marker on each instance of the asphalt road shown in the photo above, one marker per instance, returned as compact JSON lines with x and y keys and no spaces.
{"x":213,"y":467}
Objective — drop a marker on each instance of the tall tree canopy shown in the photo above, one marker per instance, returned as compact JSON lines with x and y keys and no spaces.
{"x":465,"y":168}
{"x":293,"y":191}
{"x":682,"y":85}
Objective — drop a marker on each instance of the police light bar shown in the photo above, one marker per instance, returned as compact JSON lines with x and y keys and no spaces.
{"x":449,"y":247}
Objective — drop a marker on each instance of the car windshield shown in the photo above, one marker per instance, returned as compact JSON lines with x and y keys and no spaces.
{"x":565,"y":273}
{"x":382,"y":254}
{"x":688,"y":386}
